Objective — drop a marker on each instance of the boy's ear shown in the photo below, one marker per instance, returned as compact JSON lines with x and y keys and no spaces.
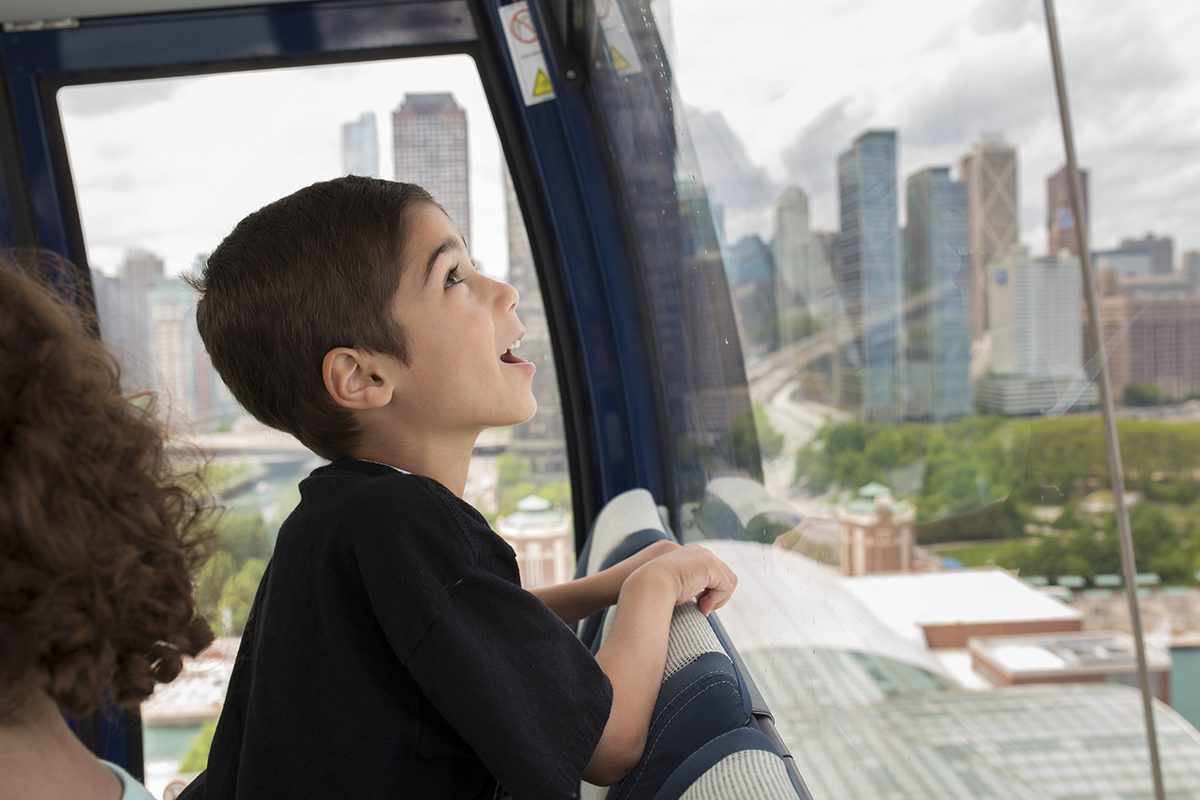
{"x":353,"y":380}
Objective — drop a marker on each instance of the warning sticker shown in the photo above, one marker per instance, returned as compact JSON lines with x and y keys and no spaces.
{"x":526,"y":52}
{"x":616,"y":33}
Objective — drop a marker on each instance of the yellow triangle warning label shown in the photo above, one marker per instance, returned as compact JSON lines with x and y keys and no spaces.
{"x":620,"y":62}
{"x":541,"y":84}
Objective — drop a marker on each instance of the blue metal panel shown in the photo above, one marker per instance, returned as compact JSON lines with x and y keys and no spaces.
{"x":599,"y":278}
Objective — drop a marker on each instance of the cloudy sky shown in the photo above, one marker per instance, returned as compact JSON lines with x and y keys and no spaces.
{"x":795,"y":87}
{"x":775,"y":89}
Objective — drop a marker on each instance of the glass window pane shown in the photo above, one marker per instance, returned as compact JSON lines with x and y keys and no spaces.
{"x":163,"y":169}
{"x":885,"y":419}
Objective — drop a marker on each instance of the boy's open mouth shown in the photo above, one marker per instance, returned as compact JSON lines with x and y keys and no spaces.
{"x":508,"y":357}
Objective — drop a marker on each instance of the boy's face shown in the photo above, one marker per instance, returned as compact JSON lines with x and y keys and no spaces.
{"x":460,"y":325}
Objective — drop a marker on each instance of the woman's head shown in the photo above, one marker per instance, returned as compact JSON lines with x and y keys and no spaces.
{"x":99,"y":537}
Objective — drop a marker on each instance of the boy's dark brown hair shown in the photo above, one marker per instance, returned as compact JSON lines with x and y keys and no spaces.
{"x":99,"y":535}
{"x":313,"y":271}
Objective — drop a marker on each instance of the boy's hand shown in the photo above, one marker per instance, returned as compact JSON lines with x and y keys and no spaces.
{"x":619,"y":572}
{"x":690,"y":572}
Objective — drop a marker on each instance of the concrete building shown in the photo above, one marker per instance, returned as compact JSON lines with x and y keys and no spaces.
{"x":541,"y":439}
{"x":875,"y":533}
{"x":1036,"y":360}
{"x":993,"y":217}
{"x":1152,"y":340}
{"x":360,"y":146}
{"x":1128,"y":263}
{"x":802,"y":258}
{"x":1161,"y":250}
{"x":936,"y":324}
{"x":870,"y":273}
{"x":429,"y":138}
{"x":1191,"y":269}
{"x":753,"y":282}
{"x":875,"y":700}
{"x":1082,"y":657}
{"x":1060,"y":225}
{"x":540,"y":534}
{"x":122,"y":304}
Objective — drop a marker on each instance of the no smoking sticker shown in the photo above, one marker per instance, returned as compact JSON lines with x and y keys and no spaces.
{"x":526,"y":52}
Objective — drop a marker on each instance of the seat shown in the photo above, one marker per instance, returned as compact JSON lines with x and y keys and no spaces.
{"x":740,"y":765}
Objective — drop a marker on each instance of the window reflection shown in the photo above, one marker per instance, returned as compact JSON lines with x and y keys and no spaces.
{"x":929,"y":546}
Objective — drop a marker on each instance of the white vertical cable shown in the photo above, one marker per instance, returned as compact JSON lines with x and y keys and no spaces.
{"x":1128,"y":565}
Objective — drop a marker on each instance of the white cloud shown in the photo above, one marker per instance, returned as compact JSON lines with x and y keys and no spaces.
{"x":797,"y":85}
{"x":173,"y":164}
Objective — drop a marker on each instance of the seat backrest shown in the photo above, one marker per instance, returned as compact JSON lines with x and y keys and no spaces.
{"x":702,"y":696}
{"x":739,"y":765}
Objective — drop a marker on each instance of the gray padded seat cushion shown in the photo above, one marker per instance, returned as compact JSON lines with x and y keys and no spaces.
{"x":691,"y":637}
{"x":629,"y":511}
{"x":745,"y":775}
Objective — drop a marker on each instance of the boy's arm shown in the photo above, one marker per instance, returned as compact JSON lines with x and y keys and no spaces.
{"x":574,"y":600}
{"x":634,"y":653}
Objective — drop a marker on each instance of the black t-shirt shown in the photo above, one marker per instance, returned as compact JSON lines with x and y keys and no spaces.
{"x":392,"y":653}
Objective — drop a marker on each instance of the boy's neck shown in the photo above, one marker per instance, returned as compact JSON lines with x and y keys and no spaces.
{"x":445,"y":459}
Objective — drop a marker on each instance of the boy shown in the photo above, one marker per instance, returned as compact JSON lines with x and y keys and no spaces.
{"x":391,"y":651}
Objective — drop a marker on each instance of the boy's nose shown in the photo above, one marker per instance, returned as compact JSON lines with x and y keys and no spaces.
{"x":509,"y":296}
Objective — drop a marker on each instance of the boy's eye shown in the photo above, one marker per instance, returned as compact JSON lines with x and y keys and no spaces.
{"x":451,"y":278}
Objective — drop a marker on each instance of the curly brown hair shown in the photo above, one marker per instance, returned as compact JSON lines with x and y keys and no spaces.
{"x":99,"y":535}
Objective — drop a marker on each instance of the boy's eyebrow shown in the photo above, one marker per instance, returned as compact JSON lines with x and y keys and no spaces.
{"x":449,"y":244}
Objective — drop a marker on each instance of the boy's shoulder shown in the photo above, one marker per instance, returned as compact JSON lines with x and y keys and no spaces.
{"x":368,"y":506}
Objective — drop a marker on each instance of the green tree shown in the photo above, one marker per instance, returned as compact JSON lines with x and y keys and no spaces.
{"x":244,"y":536}
{"x":238,"y":595}
{"x":1143,"y":394}
{"x":770,"y":440}
{"x":512,"y":468}
{"x":196,"y":756}
{"x":210,"y":584}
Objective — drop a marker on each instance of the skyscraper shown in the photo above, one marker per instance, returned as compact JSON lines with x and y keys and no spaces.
{"x":429,"y":137}
{"x":937,"y":328}
{"x":183,"y":375}
{"x":1152,"y":340}
{"x":122,"y":303}
{"x":1060,"y":225}
{"x":360,"y":146}
{"x":990,"y":172}
{"x":753,"y":282}
{"x":1037,"y":337}
{"x":870,"y":272}
{"x":802,"y":260}
{"x":541,"y":440}
{"x":1191,"y":268}
{"x":1161,"y":250}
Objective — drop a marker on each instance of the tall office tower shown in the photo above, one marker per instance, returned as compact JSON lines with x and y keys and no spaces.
{"x":993,"y":218}
{"x":802,"y":260}
{"x":1060,"y":226}
{"x":541,"y":440}
{"x":705,"y":290}
{"x":1191,"y":269}
{"x":183,"y":374}
{"x":753,"y":281}
{"x":429,"y":137}
{"x":869,"y":264}
{"x":122,"y":305}
{"x":937,"y":323}
{"x":1152,"y":340}
{"x":1037,"y":337}
{"x":1160,"y":249}
{"x":360,"y":146}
